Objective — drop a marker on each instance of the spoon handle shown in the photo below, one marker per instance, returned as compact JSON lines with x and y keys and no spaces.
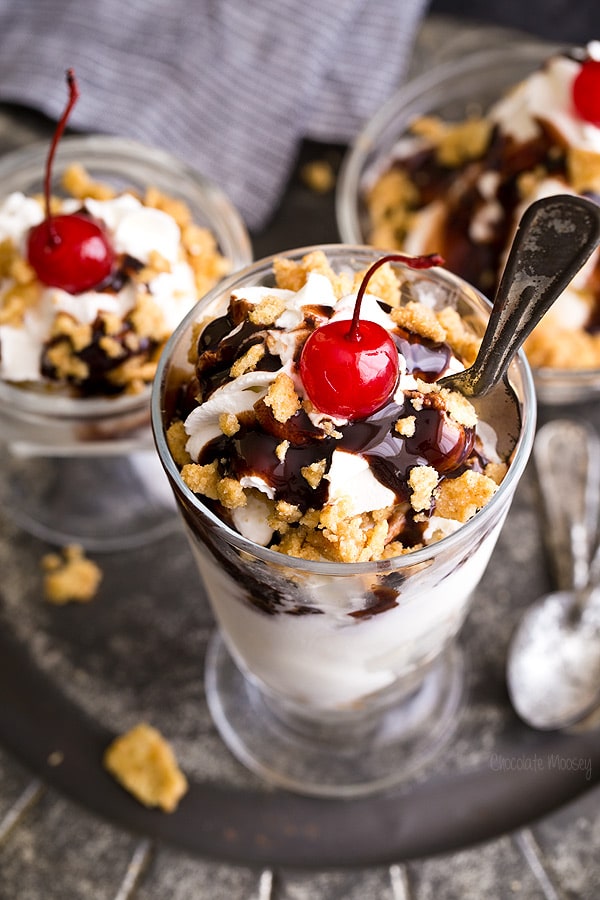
{"x":567,"y":459}
{"x":555,"y":237}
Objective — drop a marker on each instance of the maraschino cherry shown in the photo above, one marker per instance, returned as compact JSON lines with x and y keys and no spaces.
{"x":350,"y":370}
{"x":72,"y":251}
{"x":586,"y":91}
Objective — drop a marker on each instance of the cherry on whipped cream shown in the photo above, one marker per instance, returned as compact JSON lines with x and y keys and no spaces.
{"x":350,"y":370}
{"x":586,"y":92}
{"x":68,"y":251}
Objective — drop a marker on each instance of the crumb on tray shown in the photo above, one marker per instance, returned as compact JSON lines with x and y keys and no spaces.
{"x":70,"y":576}
{"x":144,"y":763}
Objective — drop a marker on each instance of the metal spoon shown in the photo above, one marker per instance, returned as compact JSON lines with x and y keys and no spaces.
{"x":554,"y":238}
{"x":553,"y":665}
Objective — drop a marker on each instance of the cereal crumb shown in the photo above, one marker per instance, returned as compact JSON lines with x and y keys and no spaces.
{"x":231,"y":493}
{"x":143,"y":762}
{"x":283,"y":515}
{"x":70,"y":576}
{"x":406,"y":426}
{"x":460,"y":498}
{"x":65,"y":362}
{"x":461,"y":409}
{"x":77,"y":182}
{"x":455,"y":143}
{"x":461,"y":340}
{"x":292,"y":275}
{"x":313,"y":474}
{"x":584,"y":169}
{"x":423,"y":481}
{"x":282,"y":398}
{"x":267,"y":311}
{"x":202,"y":479}
{"x":229,"y":424}
{"x":419,"y":319}
{"x":248,"y":361}
{"x":148,"y":319}
{"x":318,"y":175}
{"x":281,"y":450}
{"x":177,"y":439}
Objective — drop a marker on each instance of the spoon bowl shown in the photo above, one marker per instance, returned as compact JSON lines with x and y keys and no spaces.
{"x":553,"y":669}
{"x":553,"y":664}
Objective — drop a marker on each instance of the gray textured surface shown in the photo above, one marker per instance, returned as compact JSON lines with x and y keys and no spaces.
{"x":137,"y":652}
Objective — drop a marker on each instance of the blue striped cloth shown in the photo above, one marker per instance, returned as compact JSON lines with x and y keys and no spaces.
{"x":230,"y":86}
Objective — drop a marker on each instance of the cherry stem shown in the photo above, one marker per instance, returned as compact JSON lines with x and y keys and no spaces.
{"x":73,"y":98}
{"x":415,"y":262}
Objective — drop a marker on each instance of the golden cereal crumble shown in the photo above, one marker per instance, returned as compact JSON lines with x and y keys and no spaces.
{"x":247,"y":362}
{"x":148,"y":319}
{"x":419,"y":319}
{"x":281,"y":450}
{"x":406,"y":426}
{"x":292,"y":275}
{"x":283,"y":515}
{"x":455,"y":143}
{"x":459,"y":408}
{"x":267,"y":311}
{"x":79,"y":333}
{"x":460,"y":339}
{"x":230,"y":493}
{"x":229,"y":424}
{"x":66,"y":364}
{"x":77,"y":182}
{"x":313,"y":474}
{"x":70,"y":577}
{"x":460,"y":498}
{"x":334,"y":535}
{"x":144,"y":763}
{"x":389,"y":201}
{"x":177,"y":439}
{"x":282,"y":398}
{"x":318,"y":175}
{"x":202,"y":479}
{"x":423,"y":482}
{"x":583,"y":167}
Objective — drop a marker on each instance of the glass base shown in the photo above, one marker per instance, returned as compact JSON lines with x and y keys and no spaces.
{"x":356,"y":754}
{"x":105,"y":504}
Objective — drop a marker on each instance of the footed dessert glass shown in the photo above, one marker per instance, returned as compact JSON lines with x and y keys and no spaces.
{"x":339,"y":679}
{"x":84,"y":469}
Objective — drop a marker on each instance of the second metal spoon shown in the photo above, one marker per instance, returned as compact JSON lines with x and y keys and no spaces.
{"x":553,"y":665}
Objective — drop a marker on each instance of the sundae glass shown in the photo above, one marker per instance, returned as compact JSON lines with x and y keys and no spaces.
{"x":454,"y":158}
{"x":76,"y":363}
{"x":340,"y":528}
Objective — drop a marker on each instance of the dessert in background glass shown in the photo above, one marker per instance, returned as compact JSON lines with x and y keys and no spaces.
{"x":78,"y":461}
{"x":339,"y":553}
{"x":453,"y":159}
